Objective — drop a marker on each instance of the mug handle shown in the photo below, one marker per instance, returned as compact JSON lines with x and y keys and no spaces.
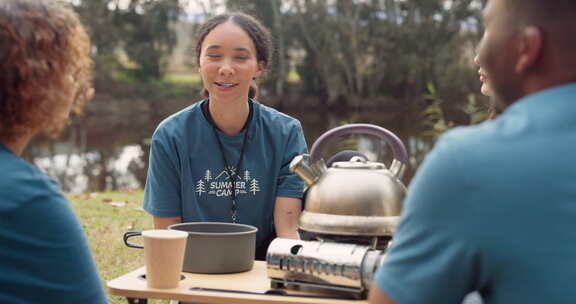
{"x":130,"y":234}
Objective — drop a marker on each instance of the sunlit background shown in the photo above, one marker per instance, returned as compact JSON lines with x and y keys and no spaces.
{"x":405,"y":65}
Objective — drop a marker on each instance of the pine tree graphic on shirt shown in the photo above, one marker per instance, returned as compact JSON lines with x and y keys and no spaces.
{"x":220,"y":185}
{"x":200,"y":187}
{"x":254,"y":186}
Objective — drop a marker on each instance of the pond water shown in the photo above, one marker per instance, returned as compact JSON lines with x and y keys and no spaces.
{"x":96,"y":155}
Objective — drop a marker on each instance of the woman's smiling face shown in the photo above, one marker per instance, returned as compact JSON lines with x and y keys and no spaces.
{"x":228,"y":63}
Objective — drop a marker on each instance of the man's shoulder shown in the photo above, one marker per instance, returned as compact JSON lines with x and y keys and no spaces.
{"x":470,"y":148}
{"x":482,"y":131}
{"x":469,"y":138}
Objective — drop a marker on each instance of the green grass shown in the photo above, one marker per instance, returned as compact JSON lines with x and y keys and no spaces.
{"x":183,"y":78}
{"x":105,"y":225}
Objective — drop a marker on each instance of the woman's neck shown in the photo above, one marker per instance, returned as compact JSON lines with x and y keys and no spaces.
{"x":229,"y":118}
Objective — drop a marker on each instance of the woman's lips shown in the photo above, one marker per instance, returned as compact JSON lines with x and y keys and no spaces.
{"x":225,"y":85}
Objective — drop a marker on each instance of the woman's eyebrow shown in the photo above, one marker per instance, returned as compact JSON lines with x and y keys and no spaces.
{"x":238,"y":49}
{"x":241,"y":49}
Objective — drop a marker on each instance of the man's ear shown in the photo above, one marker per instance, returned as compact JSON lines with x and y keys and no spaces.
{"x":530,"y":48}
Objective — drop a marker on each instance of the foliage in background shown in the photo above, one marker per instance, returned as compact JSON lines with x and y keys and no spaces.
{"x":139,"y":29}
{"x":148,"y":36}
{"x":409,"y":60}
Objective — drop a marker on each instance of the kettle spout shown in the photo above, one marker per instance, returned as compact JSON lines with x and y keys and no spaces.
{"x":310,"y":173}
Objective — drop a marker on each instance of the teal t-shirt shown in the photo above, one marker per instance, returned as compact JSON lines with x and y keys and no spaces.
{"x":187,"y":178}
{"x":44,"y":257}
{"x":493,"y":209}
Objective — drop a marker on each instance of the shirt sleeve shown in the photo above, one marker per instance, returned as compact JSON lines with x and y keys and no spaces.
{"x":289,"y":184}
{"x":433,"y":258}
{"x":46,"y":256}
{"x":162,"y":197}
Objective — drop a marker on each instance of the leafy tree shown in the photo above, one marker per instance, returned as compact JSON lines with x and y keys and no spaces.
{"x":105,"y":35}
{"x":148,"y":37}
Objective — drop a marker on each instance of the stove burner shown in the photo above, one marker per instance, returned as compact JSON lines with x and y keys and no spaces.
{"x":346,"y":267}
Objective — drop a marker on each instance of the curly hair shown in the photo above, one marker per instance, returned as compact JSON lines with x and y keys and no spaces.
{"x":45,"y":64}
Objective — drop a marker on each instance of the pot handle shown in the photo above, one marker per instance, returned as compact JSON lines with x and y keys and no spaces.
{"x":130,"y":234}
{"x":398,"y":149}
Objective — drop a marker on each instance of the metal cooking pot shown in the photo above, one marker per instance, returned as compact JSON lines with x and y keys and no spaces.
{"x":355,"y":197}
{"x":214,"y":247}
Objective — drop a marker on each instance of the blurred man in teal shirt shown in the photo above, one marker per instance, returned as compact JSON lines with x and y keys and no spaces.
{"x":493,"y":207}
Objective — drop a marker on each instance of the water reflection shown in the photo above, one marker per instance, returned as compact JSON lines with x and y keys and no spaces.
{"x":96,"y":155}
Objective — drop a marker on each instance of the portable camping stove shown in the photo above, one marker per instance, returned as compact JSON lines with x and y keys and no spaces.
{"x":344,"y":267}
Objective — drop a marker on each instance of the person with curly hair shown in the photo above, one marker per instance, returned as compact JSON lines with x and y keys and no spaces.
{"x":45,"y":75}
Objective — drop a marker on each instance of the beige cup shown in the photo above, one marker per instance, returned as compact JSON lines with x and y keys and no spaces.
{"x":163,"y":255}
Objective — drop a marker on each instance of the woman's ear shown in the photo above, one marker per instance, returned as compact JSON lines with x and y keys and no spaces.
{"x":530,"y":48}
{"x":261,"y":69}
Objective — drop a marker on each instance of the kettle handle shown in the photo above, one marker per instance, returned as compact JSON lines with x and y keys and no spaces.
{"x":398,"y":149}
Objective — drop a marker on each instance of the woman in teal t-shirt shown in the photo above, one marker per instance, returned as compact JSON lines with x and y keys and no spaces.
{"x":226,"y":158}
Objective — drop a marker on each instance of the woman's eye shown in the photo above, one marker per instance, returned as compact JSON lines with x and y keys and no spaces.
{"x":241,"y":57}
{"x":213,"y":56}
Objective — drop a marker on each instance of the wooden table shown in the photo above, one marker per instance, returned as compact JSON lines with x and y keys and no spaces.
{"x":219,"y":288}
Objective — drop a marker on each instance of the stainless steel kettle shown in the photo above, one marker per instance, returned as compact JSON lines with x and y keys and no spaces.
{"x":355,"y":197}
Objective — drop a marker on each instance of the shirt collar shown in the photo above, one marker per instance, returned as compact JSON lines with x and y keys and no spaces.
{"x":548,"y":98}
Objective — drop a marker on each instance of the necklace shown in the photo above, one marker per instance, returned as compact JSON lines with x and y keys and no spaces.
{"x":232,"y":174}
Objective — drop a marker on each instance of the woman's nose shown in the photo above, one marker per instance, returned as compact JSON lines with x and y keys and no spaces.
{"x":226,"y":68}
